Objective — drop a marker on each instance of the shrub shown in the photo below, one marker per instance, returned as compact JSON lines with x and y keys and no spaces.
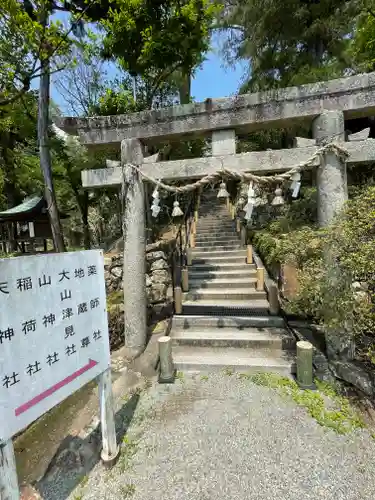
{"x":336,"y":266}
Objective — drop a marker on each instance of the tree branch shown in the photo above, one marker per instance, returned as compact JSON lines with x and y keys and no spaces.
{"x":228,"y":26}
{"x":163,"y":76}
{"x":18,"y":95}
{"x":33,"y":73}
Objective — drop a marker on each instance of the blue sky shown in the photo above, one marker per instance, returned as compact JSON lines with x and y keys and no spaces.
{"x":214,"y":79}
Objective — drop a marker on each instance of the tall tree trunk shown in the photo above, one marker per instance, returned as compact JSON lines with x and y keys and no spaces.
{"x":10,"y":190}
{"x":45,"y":157}
{"x":84,"y":208}
{"x":185,"y":88}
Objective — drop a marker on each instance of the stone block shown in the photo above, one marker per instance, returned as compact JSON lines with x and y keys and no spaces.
{"x":279,"y":108}
{"x":157,"y":293}
{"x":223,"y":142}
{"x":116,"y":271}
{"x":152,"y":256}
{"x":354,"y":374}
{"x":161,"y":276}
{"x":359,"y":136}
{"x":302,"y":142}
{"x":159,"y":264}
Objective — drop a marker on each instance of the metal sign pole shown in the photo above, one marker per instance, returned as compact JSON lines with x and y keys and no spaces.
{"x":8,"y":473}
{"x":110,"y":451}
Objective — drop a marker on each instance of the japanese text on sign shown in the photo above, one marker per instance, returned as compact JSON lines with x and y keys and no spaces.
{"x":53,"y":332}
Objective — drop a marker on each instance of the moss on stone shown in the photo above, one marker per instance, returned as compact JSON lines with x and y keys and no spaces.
{"x":328,"y":408}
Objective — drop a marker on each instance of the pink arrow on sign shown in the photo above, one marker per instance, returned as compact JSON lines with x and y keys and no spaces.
{"x":54,"y":388}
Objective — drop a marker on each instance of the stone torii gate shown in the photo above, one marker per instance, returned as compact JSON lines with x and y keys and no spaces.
{"x":324,"y":105}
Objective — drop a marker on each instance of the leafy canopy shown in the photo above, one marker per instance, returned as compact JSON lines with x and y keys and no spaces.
{"x":155,"y":38}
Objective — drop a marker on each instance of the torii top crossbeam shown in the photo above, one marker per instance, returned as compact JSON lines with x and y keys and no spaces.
{"x":354,"y":95}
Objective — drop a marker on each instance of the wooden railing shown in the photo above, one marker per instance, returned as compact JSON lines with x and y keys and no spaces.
{"x":181,"y":254}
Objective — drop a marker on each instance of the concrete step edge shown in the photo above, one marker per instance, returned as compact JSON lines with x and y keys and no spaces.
{"x":223,"y":322}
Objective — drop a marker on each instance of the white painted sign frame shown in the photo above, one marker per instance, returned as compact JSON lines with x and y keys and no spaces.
{"x":9,"y":489}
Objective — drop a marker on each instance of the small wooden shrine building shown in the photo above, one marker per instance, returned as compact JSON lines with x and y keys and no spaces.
{"x":26,"y":228}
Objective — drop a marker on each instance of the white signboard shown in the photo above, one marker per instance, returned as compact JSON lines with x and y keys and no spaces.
{"x":53,"y":332}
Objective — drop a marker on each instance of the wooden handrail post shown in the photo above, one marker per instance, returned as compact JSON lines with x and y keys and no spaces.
{"x":249,"y":256}
{"x":197,"y":205}
{"x":192,"y":240}
{"x":260,"y":279}
{"x":273,"y":300}
{"x":243,"y":235}
{"x":305,"y":365}
{"x":185,"y":279}
{"x":167,"y":370}
{"x":189,"y":256}
{"x":178,"y":300}
{"x":238,"y":225}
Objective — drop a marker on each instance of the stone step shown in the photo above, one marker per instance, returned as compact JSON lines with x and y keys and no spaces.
{"x":248,"y":272}
{"x":214,"y":217}
{"x":215,"y":227}
{"x":214,"y":224}
{"x":207,"y":258}
{"x":212,"y":208}
{"x":239,"y":322}
{"x":220,"y":238}
{"x":223,"y":294}
{"x":247,"y":283}
{"x":217,"y":248}
{"x":216,"y":231}
{"x":208,"y":359}
{"x":219,"y":253}
{"x":276,"y":339}
{"x":217,"y":236}
{"x":220,"y":265}
{"x":212,"y":203}
{"x":225,"y":307}
{"x":200,"y":237}
{"x":221,"y":244}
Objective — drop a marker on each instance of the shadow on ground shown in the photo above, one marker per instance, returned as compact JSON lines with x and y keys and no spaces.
{"x":78,"y":455}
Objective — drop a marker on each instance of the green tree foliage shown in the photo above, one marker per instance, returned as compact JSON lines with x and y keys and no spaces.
{"x":363,"y":44}
{"x":25,"y":40}
{"x":19,"y":169}
{"x":119,"y":97}
{"x":153,"y":39}
{"x":291,"y":42}
{"x":345,"y":301}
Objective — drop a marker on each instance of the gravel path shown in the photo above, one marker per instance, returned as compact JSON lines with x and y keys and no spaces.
{"x":226,"y":438}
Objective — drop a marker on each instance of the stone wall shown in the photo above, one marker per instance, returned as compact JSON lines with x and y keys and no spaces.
{"x":158,"y":282}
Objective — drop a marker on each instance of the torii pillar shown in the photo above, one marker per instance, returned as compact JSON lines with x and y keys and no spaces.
{"x":134,"y":270}
{"x":332,"y":188}
{"x":332,"y":185}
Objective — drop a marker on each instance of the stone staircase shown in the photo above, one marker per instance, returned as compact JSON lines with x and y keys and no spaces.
{"x":225,"y":321}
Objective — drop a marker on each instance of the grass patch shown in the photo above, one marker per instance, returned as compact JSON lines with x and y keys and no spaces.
{"x":127,"y":491}
{"x":115,"y":299}
{"x":180,"y":376}
{"x":84,"y":480}
{"x":204,"y":378}
{"x":228,"y":371}
{"x":327,"y":407}
{"x":128,"y":450}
